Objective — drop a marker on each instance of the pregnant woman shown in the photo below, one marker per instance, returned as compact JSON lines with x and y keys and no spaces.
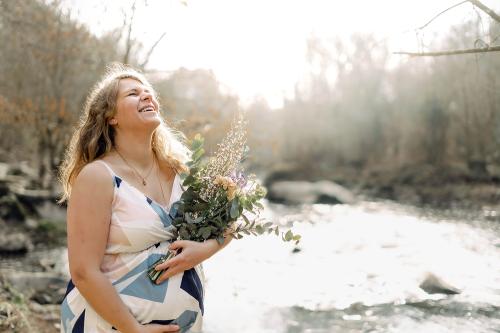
{"x":120,"y":177}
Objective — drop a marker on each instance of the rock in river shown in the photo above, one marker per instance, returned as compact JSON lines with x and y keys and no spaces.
{"x":435,"y":285}
{"x":303,"y":192}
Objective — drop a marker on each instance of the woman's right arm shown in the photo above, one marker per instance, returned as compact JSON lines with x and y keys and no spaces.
{"x":88,"y":219}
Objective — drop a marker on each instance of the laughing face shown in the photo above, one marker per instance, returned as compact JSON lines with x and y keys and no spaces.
{"x":136,"y":106}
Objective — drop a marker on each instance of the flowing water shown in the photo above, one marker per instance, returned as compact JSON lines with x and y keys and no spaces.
{"x":358,"y":269}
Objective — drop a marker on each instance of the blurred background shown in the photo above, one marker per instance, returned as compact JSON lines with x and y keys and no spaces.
{"x":375,"y":127}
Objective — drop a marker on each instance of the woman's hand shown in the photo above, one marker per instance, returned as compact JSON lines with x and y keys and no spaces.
{"x":155,"y":328}
{"x":192,"y":254}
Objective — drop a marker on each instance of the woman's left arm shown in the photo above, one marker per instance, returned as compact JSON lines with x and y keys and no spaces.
{"x":192,"y":254}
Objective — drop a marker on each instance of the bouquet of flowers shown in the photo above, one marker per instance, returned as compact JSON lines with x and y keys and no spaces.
{"x":219,"y":199}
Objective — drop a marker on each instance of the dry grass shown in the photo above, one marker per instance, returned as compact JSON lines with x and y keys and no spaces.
{"x":17,"y":315}
{"x":13,"y":312}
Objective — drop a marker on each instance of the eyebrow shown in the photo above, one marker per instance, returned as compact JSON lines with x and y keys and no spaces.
{"x":135,"y":89}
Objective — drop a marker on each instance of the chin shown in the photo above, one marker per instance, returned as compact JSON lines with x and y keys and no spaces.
{"x":154,"y":123}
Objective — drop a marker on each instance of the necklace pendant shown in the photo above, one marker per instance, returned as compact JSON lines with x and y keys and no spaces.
{"x":144,"y":182}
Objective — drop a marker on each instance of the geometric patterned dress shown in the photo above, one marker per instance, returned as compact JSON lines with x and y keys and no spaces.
{"x":140,"y":232}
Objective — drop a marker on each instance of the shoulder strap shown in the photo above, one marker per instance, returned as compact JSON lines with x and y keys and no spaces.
{"x":115,"y":179}
{"x":107,"y":167}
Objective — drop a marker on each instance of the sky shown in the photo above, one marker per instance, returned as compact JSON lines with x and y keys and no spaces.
{"x":257,"y":48}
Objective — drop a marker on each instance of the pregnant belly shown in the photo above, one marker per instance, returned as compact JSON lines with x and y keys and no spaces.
{"x":148,"y":301}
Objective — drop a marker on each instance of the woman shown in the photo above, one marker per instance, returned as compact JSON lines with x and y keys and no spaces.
{"x":120,"y":176}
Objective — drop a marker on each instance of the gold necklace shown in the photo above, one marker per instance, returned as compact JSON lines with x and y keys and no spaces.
{"x":135,"y":171}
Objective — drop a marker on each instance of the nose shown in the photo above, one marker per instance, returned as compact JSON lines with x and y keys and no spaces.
{"x":147,"y":95}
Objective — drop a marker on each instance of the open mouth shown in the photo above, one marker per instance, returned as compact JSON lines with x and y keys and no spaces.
{"x":147,"y":108}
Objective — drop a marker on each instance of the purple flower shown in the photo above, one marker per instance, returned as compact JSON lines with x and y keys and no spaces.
{"x":239,"y":178}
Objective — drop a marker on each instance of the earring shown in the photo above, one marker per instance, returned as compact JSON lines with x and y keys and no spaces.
{"x":112,"y":121}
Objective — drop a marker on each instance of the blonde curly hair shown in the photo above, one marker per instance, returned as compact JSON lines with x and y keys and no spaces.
{"x":94,"y":137}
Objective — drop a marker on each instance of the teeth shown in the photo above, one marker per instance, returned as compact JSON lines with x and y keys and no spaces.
{"x":147,"y":109}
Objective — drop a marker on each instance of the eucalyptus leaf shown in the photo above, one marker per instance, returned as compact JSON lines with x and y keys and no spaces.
{"x":247,"y":221}
{"x":198,"y":153}
{"x":206,"y":232}
{"x":234,"y":212}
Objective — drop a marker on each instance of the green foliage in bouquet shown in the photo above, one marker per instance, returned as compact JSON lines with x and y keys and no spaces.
{"x":201,"y":218}
{"x":219,"y":199}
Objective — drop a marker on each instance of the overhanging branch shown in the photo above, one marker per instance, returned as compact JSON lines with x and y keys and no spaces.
{"x":485,"y":9}
{"x":444,"y":11}
{"x":452,"y":52}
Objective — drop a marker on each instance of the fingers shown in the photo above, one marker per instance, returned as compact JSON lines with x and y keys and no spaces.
{"x":169,"y":263}
{"x":177,"y":244}
{"x":163,"y":328}
{"x":169,"y":273}
{"x":170,"y":328}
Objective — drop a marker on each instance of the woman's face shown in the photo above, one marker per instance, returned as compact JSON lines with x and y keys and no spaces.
{"x":136,"y":107}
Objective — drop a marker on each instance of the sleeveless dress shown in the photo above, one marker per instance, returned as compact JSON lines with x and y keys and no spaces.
{"x":140,"y":232}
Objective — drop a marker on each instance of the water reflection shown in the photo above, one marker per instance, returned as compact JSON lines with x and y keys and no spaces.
{"x":426,"y":316}
{"x":358,"y":270}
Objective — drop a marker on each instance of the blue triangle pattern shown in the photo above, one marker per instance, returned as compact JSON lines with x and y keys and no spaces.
{"x":143,"y":288}
{"x":141,"y":268}
{"x":164,"y":217}
{"x":69,"y":288}
{"x":66,"y":315}
{"x":80,"y":324}
{"x":118,"y":181}
{"x":191,"y":283}
{"x":185,"y":320}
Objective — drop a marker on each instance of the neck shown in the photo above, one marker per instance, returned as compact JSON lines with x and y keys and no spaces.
{"x":136,"y":149}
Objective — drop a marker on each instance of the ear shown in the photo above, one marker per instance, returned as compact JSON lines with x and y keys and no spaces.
{"x":113,"y":121}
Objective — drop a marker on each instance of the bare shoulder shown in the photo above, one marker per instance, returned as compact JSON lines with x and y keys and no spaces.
{"x":94,"y":179}
{"x":94,"y":172}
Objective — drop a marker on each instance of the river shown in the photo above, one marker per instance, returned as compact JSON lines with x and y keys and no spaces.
{"x":357,"y":269}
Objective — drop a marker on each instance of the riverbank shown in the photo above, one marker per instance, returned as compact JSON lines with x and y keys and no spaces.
{"x":425,"y":186}
{"x":19,"y":315}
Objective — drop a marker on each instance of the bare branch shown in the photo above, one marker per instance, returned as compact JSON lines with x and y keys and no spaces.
{"x":495,"y":39}
{"x":452,"y":52}
{"x":444,"y":11}
{"x":485,"y":9}
{"x":128,"y":42}
{"x":148,"y":55}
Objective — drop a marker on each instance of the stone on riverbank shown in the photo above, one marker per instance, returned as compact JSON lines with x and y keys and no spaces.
{"x":303,"y":192}
{"x":42,"y":287}
{"x":432,"y":284}
{"x":15,"y":243}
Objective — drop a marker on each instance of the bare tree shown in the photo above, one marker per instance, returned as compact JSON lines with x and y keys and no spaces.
{"x":485,"y":48}
{"x":47,"y":67}
{"x":131,"y":43}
